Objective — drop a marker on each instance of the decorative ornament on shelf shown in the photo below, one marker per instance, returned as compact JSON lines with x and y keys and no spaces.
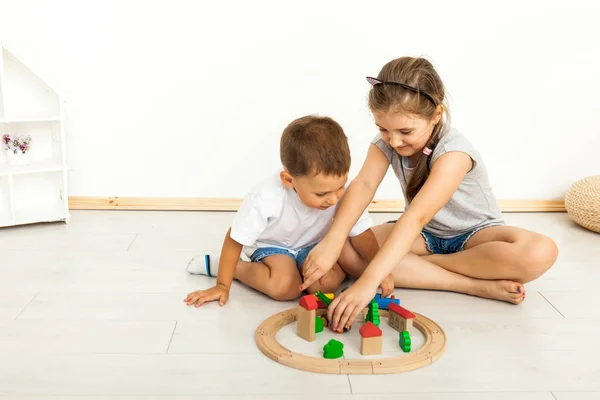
{"x":16,"y":148}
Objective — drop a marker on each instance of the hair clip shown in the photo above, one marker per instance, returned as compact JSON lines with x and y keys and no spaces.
{"x":375,"y":82}
{"x":426,"y":151}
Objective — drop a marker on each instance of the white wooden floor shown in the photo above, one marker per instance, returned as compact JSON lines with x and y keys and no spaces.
{"x":95,"y":310}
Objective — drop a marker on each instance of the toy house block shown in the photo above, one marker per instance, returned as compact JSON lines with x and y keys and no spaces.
{"x":306,"y":314}
{"x":400,"y":318}
{"x":370,"y":342}
{"x":370,"y":346}
{"x":308,"y":302}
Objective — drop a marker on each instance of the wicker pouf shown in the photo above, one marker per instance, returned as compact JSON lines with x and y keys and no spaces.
{"x":582,"y":202}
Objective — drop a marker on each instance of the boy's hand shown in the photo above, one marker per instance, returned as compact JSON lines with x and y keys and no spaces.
{"x":320,"y":260}
{"x":199,"y":297}
{"x":387,"y":286}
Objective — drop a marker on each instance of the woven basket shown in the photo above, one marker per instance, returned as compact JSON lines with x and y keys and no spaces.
{"x":582,"y":202}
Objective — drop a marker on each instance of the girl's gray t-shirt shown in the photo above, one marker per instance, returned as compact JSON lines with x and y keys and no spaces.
{"x":473,"y":205}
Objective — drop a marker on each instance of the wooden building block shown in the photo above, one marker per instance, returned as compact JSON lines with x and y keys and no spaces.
{"x":319,"y":324}
{"x":369,"y":330}
{"x":330,"y":296}
{"x":306,"y":323}
{"x":404,"y":341}
{"x":371,"y":345}
{"x":395,"y":321}
{"x":400,"y":318}
{"x":333,"y":349}
{"x":308,"y":302}
{"x":323,"y":297}
{"x":403,"y":312}
{"x":383,"y":303}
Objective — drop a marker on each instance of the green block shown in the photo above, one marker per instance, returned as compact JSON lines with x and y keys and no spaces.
{"x":373,"y":313}
{"x":321,"y":296}
{"x":333,"y":349}
{"x":318,"y":324}
{"x":404,"y":341}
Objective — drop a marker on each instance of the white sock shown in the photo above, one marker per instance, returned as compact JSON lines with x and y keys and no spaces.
{"x":204,"y":264}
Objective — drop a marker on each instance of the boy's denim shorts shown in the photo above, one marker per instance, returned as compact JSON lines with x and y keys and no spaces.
{"x":263,"y":252}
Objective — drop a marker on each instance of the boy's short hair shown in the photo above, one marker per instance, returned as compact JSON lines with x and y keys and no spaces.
{"x":314,"y":145}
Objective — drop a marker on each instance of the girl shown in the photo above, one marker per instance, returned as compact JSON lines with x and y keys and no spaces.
{"x":451,"y":235}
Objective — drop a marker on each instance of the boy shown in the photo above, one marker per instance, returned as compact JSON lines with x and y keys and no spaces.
{"x":285,"y":216}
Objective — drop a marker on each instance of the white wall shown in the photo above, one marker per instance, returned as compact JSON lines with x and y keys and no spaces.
{"x":187,"y":98}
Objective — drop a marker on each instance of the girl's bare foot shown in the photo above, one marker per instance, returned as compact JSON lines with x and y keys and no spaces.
{"x":509,"y":291}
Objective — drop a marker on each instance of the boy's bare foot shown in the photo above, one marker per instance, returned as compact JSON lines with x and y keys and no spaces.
{"x":509,"y":291}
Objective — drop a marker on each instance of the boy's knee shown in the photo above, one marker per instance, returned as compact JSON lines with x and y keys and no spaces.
{"x":330,"y":287}
{"x":331,"y":282}
{"x":350,"y":260}
{"x":285,"y":291}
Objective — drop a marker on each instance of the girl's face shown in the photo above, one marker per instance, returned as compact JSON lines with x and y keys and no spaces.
{"x":406,"y":133}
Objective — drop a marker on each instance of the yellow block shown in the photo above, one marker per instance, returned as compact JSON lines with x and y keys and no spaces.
{"x":330,"y":296}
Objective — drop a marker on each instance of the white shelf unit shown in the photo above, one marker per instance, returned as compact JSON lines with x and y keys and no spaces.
{"x":36,"y":192}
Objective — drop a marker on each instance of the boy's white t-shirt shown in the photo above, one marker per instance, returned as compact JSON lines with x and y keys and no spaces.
{"x":273,"y":215}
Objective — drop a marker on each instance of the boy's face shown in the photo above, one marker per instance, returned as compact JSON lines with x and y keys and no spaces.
{"x":316,"y":191}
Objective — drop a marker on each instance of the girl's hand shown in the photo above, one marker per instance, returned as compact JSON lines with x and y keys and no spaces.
{"x":387,"y":286}
{"x":319,"y":261}
{"x":344,"y":309}
{"x":199,"y":297}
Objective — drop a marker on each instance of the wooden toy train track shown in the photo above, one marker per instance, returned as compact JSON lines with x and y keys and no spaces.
{"x":432,"y":349}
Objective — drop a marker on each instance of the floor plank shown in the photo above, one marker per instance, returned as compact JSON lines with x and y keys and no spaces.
{"x":411,"y":396}
{"x":91,"y":337}
{"x":153,"y":375}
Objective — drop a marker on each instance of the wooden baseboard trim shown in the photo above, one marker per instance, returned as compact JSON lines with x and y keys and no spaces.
{"x":214,"y":204}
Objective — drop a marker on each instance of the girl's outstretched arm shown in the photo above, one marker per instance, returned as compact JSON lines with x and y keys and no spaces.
{"x":446,"y":174}
{"x":358,"y":196}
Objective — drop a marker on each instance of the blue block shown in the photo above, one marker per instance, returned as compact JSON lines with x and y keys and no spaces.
{"x":385,"y":302}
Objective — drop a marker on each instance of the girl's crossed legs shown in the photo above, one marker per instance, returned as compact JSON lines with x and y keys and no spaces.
{"x":495,"y":263}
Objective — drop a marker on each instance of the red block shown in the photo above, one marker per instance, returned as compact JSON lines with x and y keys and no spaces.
{"x":369,"y":330}
{"x":309,"y":302}
{"x":401,"y":311}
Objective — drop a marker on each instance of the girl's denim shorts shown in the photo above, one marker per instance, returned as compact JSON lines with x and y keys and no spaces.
{"x":451,"y":245}
{"x":437,"y":245}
